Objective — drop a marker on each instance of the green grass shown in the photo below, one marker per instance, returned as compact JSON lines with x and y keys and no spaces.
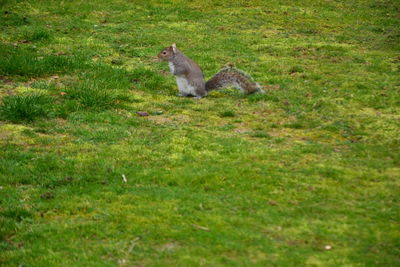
{"x":306,"y":174}
{"x":25,"y":107}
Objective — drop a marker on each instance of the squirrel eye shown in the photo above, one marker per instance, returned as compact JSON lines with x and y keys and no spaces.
{"x":164,"y":53}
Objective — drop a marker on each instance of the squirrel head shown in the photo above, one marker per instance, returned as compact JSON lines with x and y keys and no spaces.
{"x":168,"y":53}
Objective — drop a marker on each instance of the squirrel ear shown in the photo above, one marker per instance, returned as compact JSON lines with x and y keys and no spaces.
{"x":173,"y":47}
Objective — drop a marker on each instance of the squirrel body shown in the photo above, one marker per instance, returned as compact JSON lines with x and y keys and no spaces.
{"x":190,"y":79}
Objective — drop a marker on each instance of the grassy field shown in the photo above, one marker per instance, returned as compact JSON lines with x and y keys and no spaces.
{"x":306,"y":174}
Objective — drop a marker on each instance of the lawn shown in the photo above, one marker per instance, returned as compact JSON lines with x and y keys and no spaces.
{"x":306,"y":174}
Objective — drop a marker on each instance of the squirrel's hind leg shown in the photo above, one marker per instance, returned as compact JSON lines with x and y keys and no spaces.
{"x":199,"y":93}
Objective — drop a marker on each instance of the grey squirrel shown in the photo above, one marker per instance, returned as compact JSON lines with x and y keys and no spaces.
{"x":190,"y":79}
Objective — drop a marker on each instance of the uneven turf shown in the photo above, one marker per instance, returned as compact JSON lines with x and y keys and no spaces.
{"x":304,"y":175}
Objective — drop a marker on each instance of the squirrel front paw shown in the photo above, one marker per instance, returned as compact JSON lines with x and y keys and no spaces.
{"x":181,"y":94}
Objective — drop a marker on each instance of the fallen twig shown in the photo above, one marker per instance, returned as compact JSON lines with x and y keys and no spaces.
{"x":200,"y":227}
{"x":133,"y":243}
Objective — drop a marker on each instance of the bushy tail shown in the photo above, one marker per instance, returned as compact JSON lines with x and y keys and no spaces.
{"x":232,"y":77}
